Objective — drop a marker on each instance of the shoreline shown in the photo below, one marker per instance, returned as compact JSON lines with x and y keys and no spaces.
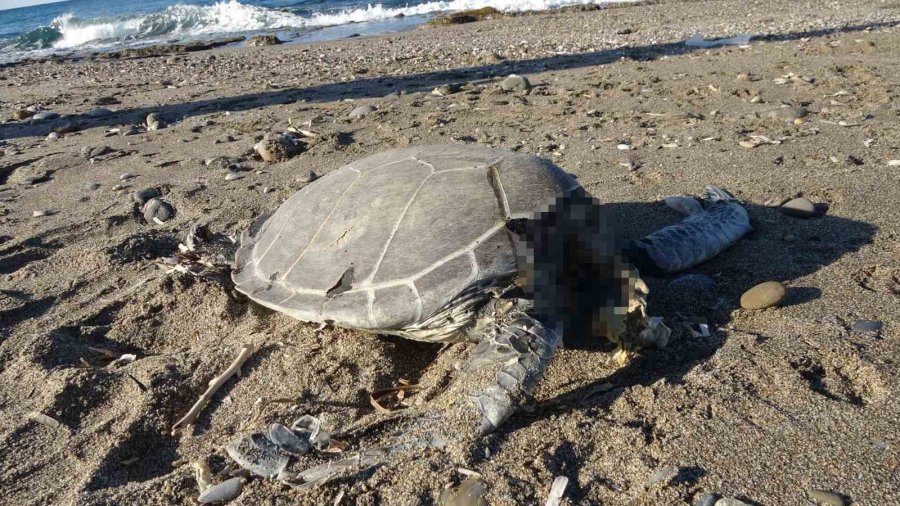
{"x":767,"y":408}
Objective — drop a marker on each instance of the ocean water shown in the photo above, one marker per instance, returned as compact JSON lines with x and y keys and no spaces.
{"x":80,"y":26}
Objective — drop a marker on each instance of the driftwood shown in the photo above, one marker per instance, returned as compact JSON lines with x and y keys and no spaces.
{"x":214,"y":385}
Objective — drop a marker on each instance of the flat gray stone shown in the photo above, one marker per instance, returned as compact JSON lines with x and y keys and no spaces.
{"x":800,"y":207}
{"x":515,"y":83}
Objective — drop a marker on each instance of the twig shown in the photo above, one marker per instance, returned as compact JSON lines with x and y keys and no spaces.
{"x":214,"y":385}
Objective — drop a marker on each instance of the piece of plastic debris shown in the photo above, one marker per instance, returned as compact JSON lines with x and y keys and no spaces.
{"x":697,"y":40}
{"x":258,"y":455}
{"x":557,"y":490}
{"x":288,"y":440}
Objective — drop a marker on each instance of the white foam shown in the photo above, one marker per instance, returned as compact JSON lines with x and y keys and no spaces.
{"x":233,"y":17}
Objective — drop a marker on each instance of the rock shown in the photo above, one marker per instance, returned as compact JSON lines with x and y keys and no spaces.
{"x":43,"y":212}
{"x":22,"y":114}
{"x":663,"y":475}
{"x":263,"y":40}
{"x":95,"y":151}
{"x":220,"y":163}
{"x":158,"y":211}
{"x":45,"y":115}
{"x":277,"y":148}
{"x":864,"y":326}
{"x":307,"y":177}
{"x":730,"y":501}
{"x":153,"y":122}
{"x":90,"y":186}
{"x":470,"y":492}
{"x":763,"y":295}
{"x":232,"y":176}
{"x":221,"y":492}
{"x":100,"y":112}
{"x":706,"y":500}
{"x":128,"y":175}
{"x":142,"y":196}
{"x":800,"y":207}
{"x":826,"y":498}
{"x":361,"y":111}
{"x":52,"y":136}
{"x":258,"y":455}
{"x":466,"y":16}
{"x":515,"y":83}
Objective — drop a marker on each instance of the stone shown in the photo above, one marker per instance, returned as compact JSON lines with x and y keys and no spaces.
{"x":730,"y":501}
{"x":221,"y":492}
{"x":232,"y":176}
{"x":763,"y":295}
{"x":22,"y":114}
{"x":220,"y":163}
{"x":128,"y":175}
{"x":158,"y":211}
{"x":470,"y":492}
{"x":263,"y":40}
{"x":706,"y":500}
{"x":43,"y":212}
{"x":361,"y":111}
{"x":95,"y":151}
{"x":45,"y":115}
{"x":142,"y":196}
{"x":864,"y":326}
{"x":52,"y":136}
{"x":153,"y":122}
{"x":90,"y":186}
{"x":515,"y":83}
{"x":800,"y":207}
{"x":277,"y":148}
{"x":826,"y":498}
{"x":663,"y":475}
{"x":446,"y":89}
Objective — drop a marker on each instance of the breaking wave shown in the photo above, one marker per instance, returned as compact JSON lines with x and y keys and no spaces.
{"x":231,"y":16}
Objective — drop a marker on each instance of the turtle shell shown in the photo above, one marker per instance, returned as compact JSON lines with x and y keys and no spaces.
{"x":390,"y":240}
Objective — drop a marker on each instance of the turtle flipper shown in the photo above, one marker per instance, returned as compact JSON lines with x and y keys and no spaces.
{"x":699,"y":237}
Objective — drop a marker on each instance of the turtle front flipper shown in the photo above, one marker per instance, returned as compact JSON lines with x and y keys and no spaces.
{"x":702,"y":235}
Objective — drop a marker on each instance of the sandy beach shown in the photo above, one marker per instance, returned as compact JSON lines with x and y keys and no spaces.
{"x":767,"y":407}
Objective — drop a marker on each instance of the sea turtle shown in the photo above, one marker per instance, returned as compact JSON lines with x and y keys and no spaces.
{"x":454,"y":243}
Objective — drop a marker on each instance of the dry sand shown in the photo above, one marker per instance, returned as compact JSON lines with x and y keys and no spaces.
{"x":771,"y":404}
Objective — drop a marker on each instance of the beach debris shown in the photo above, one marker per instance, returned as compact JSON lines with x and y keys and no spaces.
{"x":763,"y":295}
{"x":202,"y":474}
{"x":755,"y":140}
{"x":557,"y":490}
{"x":867,"y":326}
{"x":142,"y":196}
{"x":377,"y":398}
{"x":263,"y":40}
{"x":214,"y":385}
{"x":363,"y":110}
{"x":221,"y":492}
{"x":446,"y":89}
{"x":826,"y":498}
{"x":157,"y":211}
{"x":258,"y":455}
{"x":800,"y":207}
{"x":515,"y":82}
{"x":287,"y":440}
{"x":707,"y":499}
{"x":46,"y":420}
{"x":278,"y":147}
{"x":90,"y":186}
{"x":697,"y":40}
{"x":470,"y":492}
{"x":44,"y":212}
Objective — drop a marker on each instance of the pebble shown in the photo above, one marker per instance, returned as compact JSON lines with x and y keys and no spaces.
{"x":142,"y":196}
{"x":221,"y":492}
{"x":663,"y":475}
{"x":22,"y":114}
{"x":276,"y":148}
{"x":730,"y":501}
{"x":44,"y":212}
{"x":94,"y":151}
{"x":863,"y":326}
{"x":90,"y":186}
{"x":763,"y":295}
{"x":158,"y":211}
{"x":307,"y":177}
{"x":361,"y":111}
{"x":800,"y":207}
{"x":52,"y":136}
{"x":231,"y":176}
{"x":446,"y":89}
{"x":45,"y":115}
{"x":706,"y":500}
{"x":515,"y":83}
{"x":470,"y":492}
{"x":120,"y":187}
{"x":128,"y":175}
{"x":826,"y":498}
